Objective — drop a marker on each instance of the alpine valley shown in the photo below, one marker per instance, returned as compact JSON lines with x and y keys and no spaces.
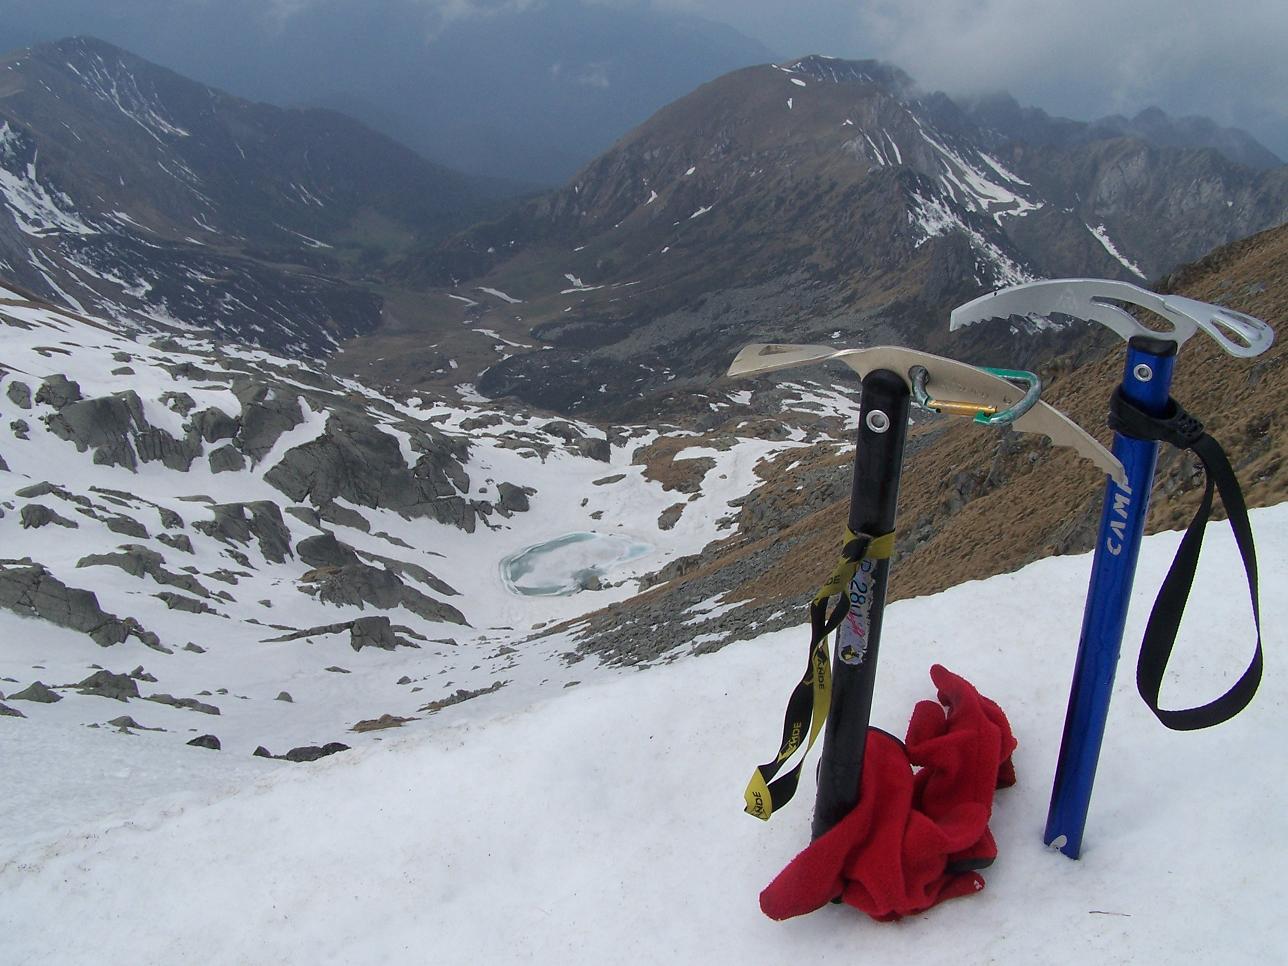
{"x":135,"y":193}
{"x":812,"y":202}
{"x":303,"y":438}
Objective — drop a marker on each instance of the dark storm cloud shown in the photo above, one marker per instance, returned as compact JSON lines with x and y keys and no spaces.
{"x":1082,"y":60}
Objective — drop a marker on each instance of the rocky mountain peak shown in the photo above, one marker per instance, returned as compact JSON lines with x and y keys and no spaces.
{"x":838,"y":71}
{"x":1001,"y":114}
{"x":811,"y":201}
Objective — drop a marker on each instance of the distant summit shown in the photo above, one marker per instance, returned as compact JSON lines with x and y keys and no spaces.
{"x":128,"y":190}
{"x":839,"y":71}
{"x":519,"y":91}
{"x":1153,"y":125}
{"x":819,"y":200}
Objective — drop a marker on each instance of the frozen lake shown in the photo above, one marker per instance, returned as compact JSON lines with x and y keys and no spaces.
{"x":569,"y":564}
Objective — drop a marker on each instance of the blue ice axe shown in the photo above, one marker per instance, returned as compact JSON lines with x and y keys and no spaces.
{"x":1146,"y":386}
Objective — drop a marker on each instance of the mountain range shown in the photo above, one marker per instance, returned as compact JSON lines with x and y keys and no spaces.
{"x":974,"y":502}
{"x":806,"y":202}
{"x":195,"y":527}
{"x":816,"y":200}
{"x":131,"y":190}
{"x":518,"y":90}
{"x":313,"y":449}
{"x":205,"y":509}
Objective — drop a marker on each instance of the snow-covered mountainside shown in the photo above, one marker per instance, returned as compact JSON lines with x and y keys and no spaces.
{"x":606,"y":824}
{"x":212,"y":540}
{"x":130,"y":191}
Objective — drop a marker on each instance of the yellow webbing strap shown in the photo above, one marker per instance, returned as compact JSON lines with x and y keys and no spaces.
{"x":812,"y":697}
{"x":856,"y":548}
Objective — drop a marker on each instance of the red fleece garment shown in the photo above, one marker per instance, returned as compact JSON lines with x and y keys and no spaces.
{"x":913,"y":839}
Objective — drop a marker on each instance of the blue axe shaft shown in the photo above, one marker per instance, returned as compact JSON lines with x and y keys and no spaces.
{"x":1146,"y":382}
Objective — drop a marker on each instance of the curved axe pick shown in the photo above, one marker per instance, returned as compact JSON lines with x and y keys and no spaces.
{"x":947,"y":377}
{"x":1097,"y":300}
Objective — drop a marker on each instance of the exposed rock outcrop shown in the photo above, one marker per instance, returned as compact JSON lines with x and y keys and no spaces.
{"x":226,"y":459}
{"x":29,"y":589}
{"x":183,"y":602}
{"x":57,"y":391}
{"x":139,"y":561}
{"x":19,"y":394}
{"x":341,"y":516}
{"x":107,"y":684}
{"x":513,"y":499}
{"x":595,"y":448}
{"x":214,"y":424}
{"x":266,"y":414}
{"x":104,"y":425}
{"x":361,"y":584}
{"x":325,"y":550}
{"x":376,"y":631}
{"x":37,"y":692}
{"x":380,"y":724}
{"x":192,"y":704}
{"x":115,"y":427}
{"x":304,"y":752}
{"x":240,"y":522}
{"x":180,"y":541}
{"x":461,"y":694}
{"x":35,"y":515}
{"x":355,"y":461}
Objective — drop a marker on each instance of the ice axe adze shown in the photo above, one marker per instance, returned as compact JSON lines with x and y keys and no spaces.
{"x":1142,"y":413}
{"x":840,"y":694}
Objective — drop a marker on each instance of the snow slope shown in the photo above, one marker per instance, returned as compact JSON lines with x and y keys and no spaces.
{"x":604,"y":823}
{"x":234,"y":655}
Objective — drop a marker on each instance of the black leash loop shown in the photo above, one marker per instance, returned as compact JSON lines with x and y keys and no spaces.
{"x":1183,"y":431}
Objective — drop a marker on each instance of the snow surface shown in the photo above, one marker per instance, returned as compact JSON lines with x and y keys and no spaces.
{"x":604,"y":824}
{"x":1102,"y":236}
{"x":969,"y":185}
{"x":568,"y":493}
{"x":37,"y":210}
{"x":935,"y":216}
{"x":120,"y":88}
{"x":497,"y":293}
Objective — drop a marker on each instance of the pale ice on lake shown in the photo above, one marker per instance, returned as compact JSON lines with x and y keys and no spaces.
{"x":569,"y":564}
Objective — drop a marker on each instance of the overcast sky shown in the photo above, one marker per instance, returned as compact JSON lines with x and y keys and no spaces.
{"x":1078,"y":58}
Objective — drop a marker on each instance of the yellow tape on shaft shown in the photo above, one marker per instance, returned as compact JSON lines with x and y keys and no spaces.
{"x":765,"y":784}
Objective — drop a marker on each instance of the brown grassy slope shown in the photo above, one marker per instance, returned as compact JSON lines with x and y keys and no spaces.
{"x":976,"y":502}
{"x":972,"y":505}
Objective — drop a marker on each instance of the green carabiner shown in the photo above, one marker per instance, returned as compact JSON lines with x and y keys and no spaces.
{"x":983,"y":413}
{"x":1027,"y":401}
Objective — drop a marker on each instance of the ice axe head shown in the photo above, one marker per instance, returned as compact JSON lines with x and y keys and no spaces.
{"x":1100,"y":300}
{"x":973,"y":390}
